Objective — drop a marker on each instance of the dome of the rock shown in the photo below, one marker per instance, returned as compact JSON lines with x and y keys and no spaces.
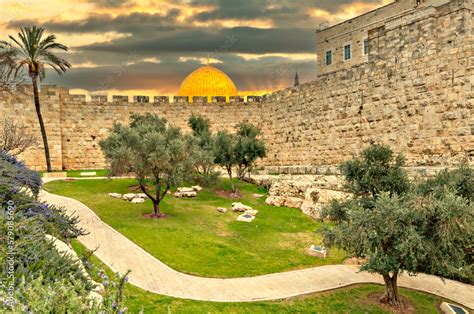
{"x":207,"y":81}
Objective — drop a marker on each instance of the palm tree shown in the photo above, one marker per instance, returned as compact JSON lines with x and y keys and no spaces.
{"x":33,"y":52}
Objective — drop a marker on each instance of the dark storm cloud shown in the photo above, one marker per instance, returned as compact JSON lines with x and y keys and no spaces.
{"x":134,"y":23}
{"x":239,"y":39}
{"x":109,"y":3}
{"x":281,"y":12}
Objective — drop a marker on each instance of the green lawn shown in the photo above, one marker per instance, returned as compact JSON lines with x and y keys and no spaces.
{"x":346,"y":300}
{"x":196,"y":239}
{"x":77,"y":173}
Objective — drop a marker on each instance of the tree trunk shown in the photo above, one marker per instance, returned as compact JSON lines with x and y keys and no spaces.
{"x":156,"y":210}
{"x":231,"y":181}
{"x":391,"y":290}
{"x":41,"y":123}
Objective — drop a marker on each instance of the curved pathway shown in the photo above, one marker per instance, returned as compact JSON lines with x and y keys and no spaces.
{"x":148,"y":273}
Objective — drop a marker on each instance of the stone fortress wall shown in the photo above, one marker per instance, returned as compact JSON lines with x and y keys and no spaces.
{"x":414,"y":93}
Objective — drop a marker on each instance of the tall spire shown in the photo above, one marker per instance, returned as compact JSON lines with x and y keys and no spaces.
{"x":297,"y":80}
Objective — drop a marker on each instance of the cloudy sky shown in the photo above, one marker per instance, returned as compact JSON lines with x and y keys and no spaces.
{"x":149,"y":46}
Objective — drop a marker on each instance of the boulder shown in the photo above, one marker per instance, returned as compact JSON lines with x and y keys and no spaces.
{"x":115,"y":195}
{"x":222,"y":210}
{"x":186,"y":194}
{"x":196,"y":188}
{"x":137,"y":200}
{"x":239,"y":207}
{"x":185,"y":190}
{"x":258,"y":195}
{"x":245,"y":218}
{"x":275,"y":201}
{"x":293,"y":202}
{"x":128,"y":196}
{"x":141,"y":195}
{"x":252,"y":212}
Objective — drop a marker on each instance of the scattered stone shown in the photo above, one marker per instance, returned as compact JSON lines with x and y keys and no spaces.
{"x":88,"y":174}
{"x":258,"y":195}
{"x":222,"y":210}
{"x":115,"y":195}
{"x":189,"y":194}
{"x":185,"y":190}
{"x":318,"y":251}
{"x":128,"y":196}
{"x":196,"y":188}
{"x":141,"y":195}
{"x":137,"y":200}
{"x":251,"y":212}
{"x":245,"y":218}
{"x":239,"y":207}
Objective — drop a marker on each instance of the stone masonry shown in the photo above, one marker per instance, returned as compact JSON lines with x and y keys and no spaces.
{"x":413,"y":93}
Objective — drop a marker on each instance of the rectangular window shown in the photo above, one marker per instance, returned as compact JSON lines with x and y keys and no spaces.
{"x":328,"y":57}
{"x":347,"y":52}
{"x":366,"y":46}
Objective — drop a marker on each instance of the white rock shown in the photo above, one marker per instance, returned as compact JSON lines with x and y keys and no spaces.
{"x":196,"y":188}
{"x":137,"y":200}
{"x":239,"y":207}
{"x":128,"y":196}
{"x":115,"y":195}
{"x":275,"y":201}
{"x":185,"y":189}
{"x":245,"y":218}
{"x":185,"y":194}
{"x":251,"y":212}
{"x":141,"y":195}
{"x":222,"y":210}
{"x":293,"y":202}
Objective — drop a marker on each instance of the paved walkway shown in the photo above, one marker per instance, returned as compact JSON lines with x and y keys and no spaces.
{"x":148,"y":273}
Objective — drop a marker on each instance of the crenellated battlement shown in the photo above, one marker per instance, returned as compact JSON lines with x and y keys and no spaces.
{"x":52,"y":91}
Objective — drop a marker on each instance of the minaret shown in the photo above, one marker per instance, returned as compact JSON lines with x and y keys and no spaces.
{"x":297,"y":80}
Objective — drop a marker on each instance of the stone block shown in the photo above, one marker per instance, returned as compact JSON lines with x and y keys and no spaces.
{"x":200,"y":100}
{"x":181,"y":99}
{"x":119,"y":98}
{"x":161,"y":99}
{"x":236,"y":99}
{"x":218,"y":99}
{"x":99,"y":98}
{"x":141,"y":99}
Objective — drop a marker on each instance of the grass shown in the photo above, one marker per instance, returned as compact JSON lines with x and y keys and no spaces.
{"x":196,"y":239}
{"x":77,"y":173}
{"x":346,"y":300}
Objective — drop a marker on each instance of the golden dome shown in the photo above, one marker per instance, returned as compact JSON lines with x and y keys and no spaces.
{"x":207,"y":81}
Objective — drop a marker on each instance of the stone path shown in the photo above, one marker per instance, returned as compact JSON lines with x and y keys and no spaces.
{"x":148,"y":273}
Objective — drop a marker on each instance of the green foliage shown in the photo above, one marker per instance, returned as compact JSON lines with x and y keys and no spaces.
{"x":224,"y":153}
{"x":203,"y":151}
{"x":378,"y":170}
{"x":248,"y":148}
{"x":157,"y":153}
{"x":461,"y":180}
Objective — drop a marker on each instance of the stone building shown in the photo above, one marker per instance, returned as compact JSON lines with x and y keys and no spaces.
{"x":347,"y":44}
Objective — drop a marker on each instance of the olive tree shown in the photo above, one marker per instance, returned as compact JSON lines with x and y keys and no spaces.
{"x":204,"y":149}
{"x":224,"y":154}
{"x":248,"y":148}
{"x":396,"y":229}
{"x":155,"y":152}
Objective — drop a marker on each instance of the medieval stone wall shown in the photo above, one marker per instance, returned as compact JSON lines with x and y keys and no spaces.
{"x":414,"y":93}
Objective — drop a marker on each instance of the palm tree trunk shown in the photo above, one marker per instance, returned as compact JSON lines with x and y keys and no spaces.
{"x":41,"y":123}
